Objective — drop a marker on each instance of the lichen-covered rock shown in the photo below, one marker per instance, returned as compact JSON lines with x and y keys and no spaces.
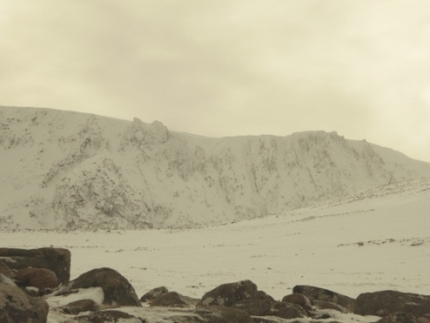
{"x":54,"y":259}
{"x":116,"y":288}
{"x":386,"y":302}
{"x":16,"y":306}
{"x":321,"y":294}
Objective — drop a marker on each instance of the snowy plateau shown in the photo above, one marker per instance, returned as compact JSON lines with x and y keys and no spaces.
{"x":308,"y":209}
{"x":74,"y":171}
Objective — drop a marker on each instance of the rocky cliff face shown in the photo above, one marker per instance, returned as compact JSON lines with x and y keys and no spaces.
{"x":73,"y":171}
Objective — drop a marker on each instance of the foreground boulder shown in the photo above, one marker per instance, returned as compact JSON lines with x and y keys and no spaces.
{"x":399,"y":318}
{"x":16,"y":306}
{"x":245,"y":296}
{"x":212,"y":314}
{"x":288,"y":310}
{"x":41,"y":278}
{"x":83,"y":305}
{"x":215,"y":314}
{"x":298,"y":299}
{"x":230,"y":294}
{"x":54,"y":259}
{"x":257,"y":307}
{"x":5,"y":270}
{"x":386,"y":302}
{"x":170,"y":299}
{"x":321,"y":305}
{"x":154,"y":293}
{"x":325,"y":295}
{"x":108,"y":316}
{"x":116,"y":288}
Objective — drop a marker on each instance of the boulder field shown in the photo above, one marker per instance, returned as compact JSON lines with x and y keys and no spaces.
{"x":35,"y":287}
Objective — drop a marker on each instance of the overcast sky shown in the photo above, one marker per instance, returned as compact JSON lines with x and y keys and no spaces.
{"x":227,"y":68}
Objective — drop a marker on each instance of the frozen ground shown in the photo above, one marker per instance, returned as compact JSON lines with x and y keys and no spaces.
{"x":372,"y":241}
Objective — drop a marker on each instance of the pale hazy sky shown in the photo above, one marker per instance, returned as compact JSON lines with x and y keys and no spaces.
{"x":228,"y":67}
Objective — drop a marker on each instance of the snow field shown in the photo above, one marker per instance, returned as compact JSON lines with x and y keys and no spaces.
{"x":374,"y":241}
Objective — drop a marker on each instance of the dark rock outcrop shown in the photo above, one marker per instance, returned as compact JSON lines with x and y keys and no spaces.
{"x":108,"y":316}
{"x":386,"y":302}
{"x":170,"y":299}
{"x":116,"y":288}
{"x":298,"y":299}
{"x":424,"y":319}
{"x":55,"y":259}
{"x":17,"y":306}
{"x":245,"y":296}
{"x":5,"y":270}
{"x":288,"y":311}
{"x":218,"y":314}
{"x":322,"y":305}
{"x":230,"y":294}
{"x":256,"y":307}
{"x":154,"y":293}
{"x":40,"y":278}
{"x":399,"y":318}
{"x":321,"y":294}
{"x":83,"y":305}
{"x":211,"y":314}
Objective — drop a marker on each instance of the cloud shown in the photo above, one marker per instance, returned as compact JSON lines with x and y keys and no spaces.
{"x":227,"y":67}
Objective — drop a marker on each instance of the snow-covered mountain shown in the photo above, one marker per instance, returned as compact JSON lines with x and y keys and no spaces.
{"x":68,"y":170}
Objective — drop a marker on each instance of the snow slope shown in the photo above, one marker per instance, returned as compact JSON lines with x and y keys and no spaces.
{"x":374,"y":240}
{"x":74,"y":171}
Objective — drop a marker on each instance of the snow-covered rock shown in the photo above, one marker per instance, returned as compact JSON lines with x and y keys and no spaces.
{"x":69,"y":170}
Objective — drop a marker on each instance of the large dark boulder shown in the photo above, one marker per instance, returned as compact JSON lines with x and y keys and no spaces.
{"x":245,"y":296}
{"x":386,"y":302}
{"x":110,"y":316}
{"x":288,"y":311}
{"x":82,"y":305}
{"x":321,"y":294}
{"x":267,"y":307}
{"x":17,"y":306}
{"x":216,"y":314}
{"x":116,"y":288}
{"x":256,"y":307}
{"x":211,"y":314}
{"x":298,"y":299}
{"x":322,"y":305}
{"x":170,"y":299}
{"x":399,"y":318}
{"x":55,"y":259}
{"x":230,"y":294}
{"x":41,"y":278}
{"x":5,"y":270}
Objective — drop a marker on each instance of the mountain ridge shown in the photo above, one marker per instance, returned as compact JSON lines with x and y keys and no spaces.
{"x":76,"y":171}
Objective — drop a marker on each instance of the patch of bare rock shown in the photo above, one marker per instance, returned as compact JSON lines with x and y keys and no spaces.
{"x":35,"y":288}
